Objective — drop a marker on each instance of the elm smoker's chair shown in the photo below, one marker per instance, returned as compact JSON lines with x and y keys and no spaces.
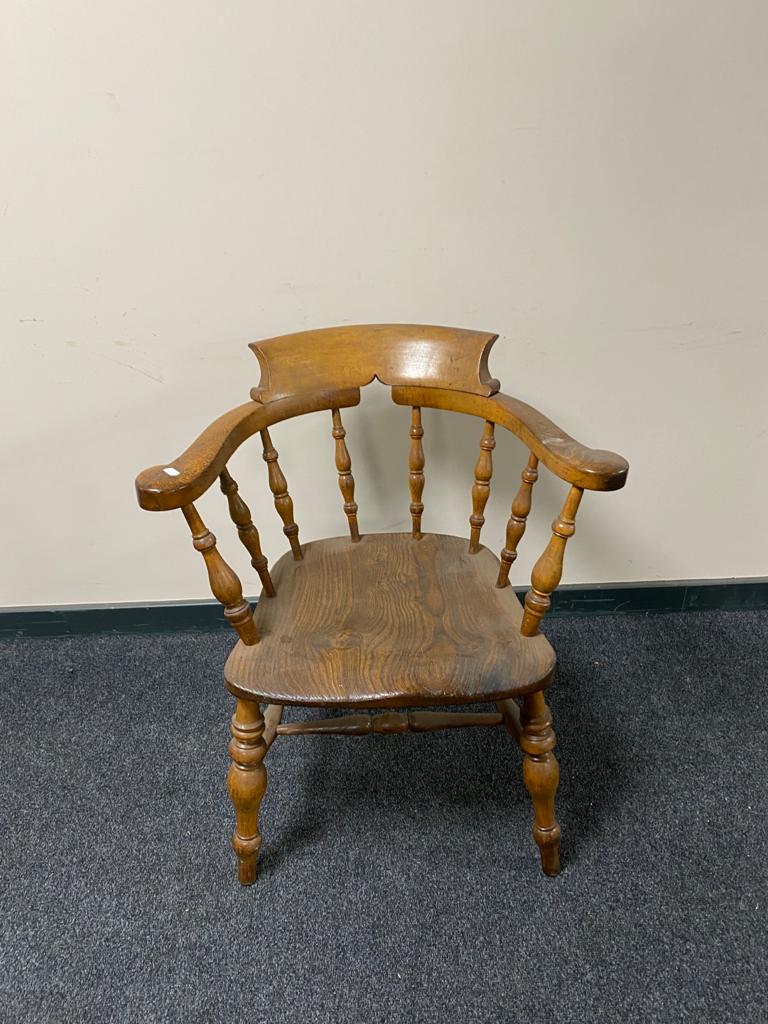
{"x":384,"y":620}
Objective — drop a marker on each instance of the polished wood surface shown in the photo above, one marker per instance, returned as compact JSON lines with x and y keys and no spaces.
{"x":344,"y":469}
{"x":541,"y":774}
{"x":384,"y":621}
{"x":531,"y":728}
{"x":273,"y":716}
{"x":246,"y":782}
{"x":279,"y":487}
{"x":548,"y":570}
{"x":481,"y":488}
{"x":521,"y":508}
{"x":416,"y":472}
{"x":183,"y":480}
{"x":351,"y":356}
{"x":389,"y":622}
{"x":589,"y":468}
{"x":510,"y":713}
{"x":224,"y":581}
{"x":240,"y":515}
{"x":390,"y":722}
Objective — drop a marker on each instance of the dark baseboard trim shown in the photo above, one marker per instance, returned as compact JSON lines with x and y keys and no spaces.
{"x":675,"y":596}
{"x":83,"y":620}
{"x":595,"y":599}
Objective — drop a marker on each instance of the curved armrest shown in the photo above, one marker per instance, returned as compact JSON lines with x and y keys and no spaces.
{"x":182,"y":481}
{"x":589,"y":468}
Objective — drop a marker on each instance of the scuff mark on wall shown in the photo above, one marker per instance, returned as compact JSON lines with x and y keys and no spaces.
{"x":117,"y":362}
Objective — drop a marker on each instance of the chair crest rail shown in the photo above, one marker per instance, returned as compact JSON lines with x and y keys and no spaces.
{"x":352,"y":356}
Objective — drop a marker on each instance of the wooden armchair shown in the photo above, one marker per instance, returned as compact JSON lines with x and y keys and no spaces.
{"x":383,"y":621}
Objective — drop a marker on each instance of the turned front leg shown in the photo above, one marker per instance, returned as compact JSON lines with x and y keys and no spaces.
{"x":247,"y":781}
{"x":541,"y":774}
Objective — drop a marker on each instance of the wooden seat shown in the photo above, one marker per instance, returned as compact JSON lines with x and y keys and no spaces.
{"x":389,"y":622}
{"x":384,"y":621}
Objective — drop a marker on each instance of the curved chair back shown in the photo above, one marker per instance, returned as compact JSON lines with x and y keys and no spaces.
{"x":425,"y":366}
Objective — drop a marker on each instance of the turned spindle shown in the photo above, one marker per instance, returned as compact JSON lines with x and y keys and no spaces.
{"x":416,"y":468}
{"x":541,"y":774}
{"x":388,"y":723}
{"x":548,"y":570}
{"x":246,"y":782}
{"x":521,"y":508}
{"x":225,"y":585}
{"x":346,"y":480}
{"x":482,"y":486}
{"x":240,"y":515}
{"x":279,"y":487}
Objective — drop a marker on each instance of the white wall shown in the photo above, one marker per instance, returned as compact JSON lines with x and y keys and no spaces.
{"x":178,"y":178}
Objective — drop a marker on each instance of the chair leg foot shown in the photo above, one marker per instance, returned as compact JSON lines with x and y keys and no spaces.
{"x":541,"y":774}
{"x":247,"y":781}
{"x":246,"y":870}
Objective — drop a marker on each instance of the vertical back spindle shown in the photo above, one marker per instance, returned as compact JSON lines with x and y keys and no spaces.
{"x":482,"y":486}
{"x":416,"y":470}
{"x":279,"y":487}
{"x":225,"y":585}
{"x":548,"y":570}
{"x":240,"y":515}
{"x":521,"y":507}
{"x":346,"y":480}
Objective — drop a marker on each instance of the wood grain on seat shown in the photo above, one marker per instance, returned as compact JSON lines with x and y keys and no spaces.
{"x":389,"y":622}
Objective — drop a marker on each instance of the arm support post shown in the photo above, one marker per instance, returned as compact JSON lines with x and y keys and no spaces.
{"x":548,"y":570}
{"x":225,"y":585}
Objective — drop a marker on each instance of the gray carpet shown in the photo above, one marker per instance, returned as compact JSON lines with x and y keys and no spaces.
{"x":399,"y":880}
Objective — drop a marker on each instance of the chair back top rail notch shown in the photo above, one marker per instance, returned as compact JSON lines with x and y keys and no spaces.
{"x":351,"y":357}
